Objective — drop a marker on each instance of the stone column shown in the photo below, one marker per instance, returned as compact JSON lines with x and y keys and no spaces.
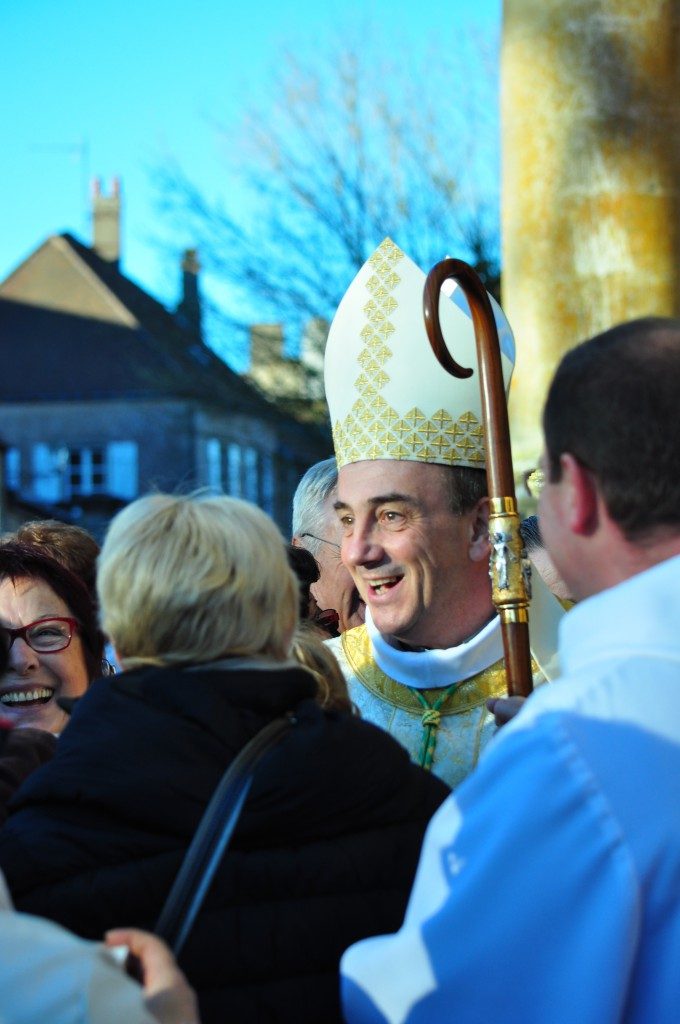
{"x":591,"y":179}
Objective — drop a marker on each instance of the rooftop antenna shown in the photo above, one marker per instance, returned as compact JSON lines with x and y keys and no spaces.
{"x":80,"y":153}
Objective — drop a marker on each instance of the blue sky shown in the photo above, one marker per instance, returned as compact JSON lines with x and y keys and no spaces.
{"x":102,"y":89}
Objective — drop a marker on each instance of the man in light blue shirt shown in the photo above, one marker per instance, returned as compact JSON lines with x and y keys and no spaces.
{"x":549,"y":887}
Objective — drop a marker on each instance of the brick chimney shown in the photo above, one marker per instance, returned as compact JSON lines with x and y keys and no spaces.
{"x":106,"y":222}
{"x":189,"y":308}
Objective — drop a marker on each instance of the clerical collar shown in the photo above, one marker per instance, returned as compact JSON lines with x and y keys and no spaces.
{"x":428,"y":669}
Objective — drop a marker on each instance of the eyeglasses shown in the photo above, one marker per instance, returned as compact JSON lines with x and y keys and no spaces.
{"x":322,"y":540}
{"x":44,"y":635}
{"x":534,"y":482}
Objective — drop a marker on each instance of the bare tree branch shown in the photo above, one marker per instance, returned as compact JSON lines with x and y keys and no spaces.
{"x":353,"y":148}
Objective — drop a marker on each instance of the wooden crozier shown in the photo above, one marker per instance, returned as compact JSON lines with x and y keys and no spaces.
{"x":508,"y":565}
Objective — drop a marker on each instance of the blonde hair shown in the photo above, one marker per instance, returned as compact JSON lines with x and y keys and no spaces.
{"x":193,"y":578}
{"x":310,"y":650}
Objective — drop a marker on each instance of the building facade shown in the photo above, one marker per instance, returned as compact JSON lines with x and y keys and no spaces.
{"x":107,"y":395}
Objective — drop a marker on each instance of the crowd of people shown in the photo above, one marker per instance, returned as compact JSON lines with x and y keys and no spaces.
{"x":398,"y":857}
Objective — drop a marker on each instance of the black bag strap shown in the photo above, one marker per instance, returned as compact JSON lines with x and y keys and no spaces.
{"x":213,"y":835}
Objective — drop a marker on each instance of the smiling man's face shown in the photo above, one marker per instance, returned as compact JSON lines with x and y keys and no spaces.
{"x":414,"y":561}
{"x":33,"y":681}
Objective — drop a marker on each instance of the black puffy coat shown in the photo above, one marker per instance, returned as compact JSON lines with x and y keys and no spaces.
{"x":21,"y":752}
{"x":324,"y":853}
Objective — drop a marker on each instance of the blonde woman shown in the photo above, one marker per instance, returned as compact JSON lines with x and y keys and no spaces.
{"x":198,"y":599}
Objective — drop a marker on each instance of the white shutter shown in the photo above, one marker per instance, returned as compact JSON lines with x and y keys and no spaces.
{"x":121,"y":469}
{"x":213,"y":463}
{"x":234,"y":470}
{"x":46,"y":483}
{"x":252,"y":475}
{"x":13,"y":469}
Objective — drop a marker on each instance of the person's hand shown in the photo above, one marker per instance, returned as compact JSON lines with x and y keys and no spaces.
{"x":169,"y":997}
{"x":504,"y":709}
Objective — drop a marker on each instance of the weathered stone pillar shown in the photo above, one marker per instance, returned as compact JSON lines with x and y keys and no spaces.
{"x":591,"y":179}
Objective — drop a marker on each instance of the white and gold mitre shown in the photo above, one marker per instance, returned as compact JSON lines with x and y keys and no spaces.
{"x":388,"y":396}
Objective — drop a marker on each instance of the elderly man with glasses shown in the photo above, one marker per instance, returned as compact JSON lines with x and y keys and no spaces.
{"x":316,"y":528}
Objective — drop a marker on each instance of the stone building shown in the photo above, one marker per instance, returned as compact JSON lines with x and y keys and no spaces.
{"x":294,"y":382}
{"x":106,"y":394}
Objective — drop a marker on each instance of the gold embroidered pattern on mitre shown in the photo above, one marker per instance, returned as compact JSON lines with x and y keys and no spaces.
{"x":470,"y":693}
{"x":373,"y":429}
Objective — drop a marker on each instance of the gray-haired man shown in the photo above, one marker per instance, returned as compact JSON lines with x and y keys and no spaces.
{"x":316,"y":528}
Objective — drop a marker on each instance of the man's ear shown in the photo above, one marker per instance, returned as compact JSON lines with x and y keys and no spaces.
{"x":579,"y":496}
{"x":480,"y":547}
{"x":296,"y":542}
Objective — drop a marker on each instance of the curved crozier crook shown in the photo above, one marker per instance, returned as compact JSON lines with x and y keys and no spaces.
{"x":509,"y":590}
{"x":492,"y":389}
{"x":441,"y":272}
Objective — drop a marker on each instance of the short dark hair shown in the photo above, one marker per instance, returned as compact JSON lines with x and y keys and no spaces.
{"x":24,"y":561}
{"x":613,"y":405}
{"x":70,"y":545}
{"x":466,"y":487}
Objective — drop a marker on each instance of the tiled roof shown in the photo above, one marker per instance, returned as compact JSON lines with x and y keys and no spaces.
{"x":126,"y":346}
